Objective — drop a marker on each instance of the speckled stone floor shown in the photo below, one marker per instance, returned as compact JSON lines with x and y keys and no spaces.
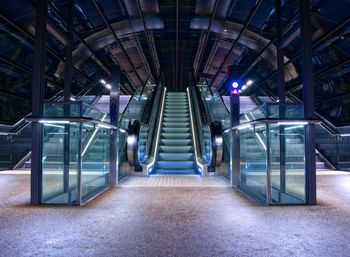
{"x":175,"y":221}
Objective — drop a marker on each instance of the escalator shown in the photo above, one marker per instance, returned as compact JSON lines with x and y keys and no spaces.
{"x":174,"y":137}
{"x":176,"y":153}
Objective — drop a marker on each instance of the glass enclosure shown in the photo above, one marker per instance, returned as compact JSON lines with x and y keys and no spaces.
{"x":75,"y":165}
{"x":273,"y":155}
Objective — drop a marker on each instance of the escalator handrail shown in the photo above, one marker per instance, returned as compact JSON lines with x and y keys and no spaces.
{"x":199,"y":161}
{"x":326,"y":124}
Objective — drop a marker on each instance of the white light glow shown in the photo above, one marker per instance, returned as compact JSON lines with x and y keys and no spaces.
{"x":92,"y":137}
{"x":244,"y":87}
{"x":292,"y":123}
{"x":250,"y":82}
{"x":108,"y":86}
{"x":294,"y":127}
{"x":261,"y":141}
{"x":244,"y":126}
{"x":103,"y":81}
{"x":72,"y":99}
{"x":103,"y":126}
{"x":54,"y":121}
{"x":53,"y":125}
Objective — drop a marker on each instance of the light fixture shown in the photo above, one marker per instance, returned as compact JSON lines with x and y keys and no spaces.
{"x":103,"y":126}
{"x":225,"y":30}
{"x":244,"y":87}
{"x":54,"y":121}
{"x":292,"y":123}
{"x":249,"y":82}
{"x":244,"y":126}
{"x":53,"y":125}
{"x":103,"y":81}
{"x":108,"y":86}
{"x":72,"y":99}
{"x":235,"y":84}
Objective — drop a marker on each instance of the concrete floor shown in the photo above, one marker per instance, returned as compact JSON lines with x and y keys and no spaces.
{"x":175,"y":221}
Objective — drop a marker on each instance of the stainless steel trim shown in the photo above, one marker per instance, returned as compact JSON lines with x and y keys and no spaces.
{"x":80,"y":167}
{"x":131,"y":149}
{"x":153,"y":159}
{"x":268,"y":166}
{"x":218,"y":148}
{"x":203,"y":167}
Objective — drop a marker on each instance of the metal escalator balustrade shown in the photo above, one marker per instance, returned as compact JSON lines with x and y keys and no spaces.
{"x":138,"y":123}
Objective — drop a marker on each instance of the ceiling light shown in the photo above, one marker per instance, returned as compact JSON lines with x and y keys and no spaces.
{"x":103,"y":81}
{"x":108,"y":86}
{"x":250,"y":82}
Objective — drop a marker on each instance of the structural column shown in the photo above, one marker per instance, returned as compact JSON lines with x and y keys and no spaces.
{"x":235,"y":160}
{"x":67,"y":92}
{"x":281,"y":94}
{"x":308,"y":100}
{"x":114,"y":118}
{"x":37,"y":100}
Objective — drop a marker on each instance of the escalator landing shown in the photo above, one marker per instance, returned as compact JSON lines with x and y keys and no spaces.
{"x":175,"y":181}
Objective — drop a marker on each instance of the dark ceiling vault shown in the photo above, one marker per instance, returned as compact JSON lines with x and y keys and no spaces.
{"x":176,"y":37}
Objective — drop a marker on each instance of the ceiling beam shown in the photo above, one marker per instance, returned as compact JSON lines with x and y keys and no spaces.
{"x":206,"y":37}
{"x":104,"y":17}
{"x":177,"y":46}
{"x":151,"y":46}
{"x":257,"y":58}
{"x":314,"y":45}
{"x":249,"y":19}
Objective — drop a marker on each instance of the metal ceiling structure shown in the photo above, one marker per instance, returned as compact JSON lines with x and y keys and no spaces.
{"x":177,"y":37}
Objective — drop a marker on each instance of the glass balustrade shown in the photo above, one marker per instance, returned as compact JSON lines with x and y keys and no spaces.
{"x":76,"y":158}
{"x":273,"y":155}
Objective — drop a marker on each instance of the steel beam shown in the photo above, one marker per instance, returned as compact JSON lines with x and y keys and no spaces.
{"x":38,"y":99}
{"x":314,"y":45}
{"x":68,"y":64}
{"x":206,"y":37}
{"x":177,"y":46}
{"x":308,"y":101}
{"x":104,"y":17}
{"x":151,"y":46}
{"x":249,"y":19}
{"x":281,"y":91}
{"x":49,"y":49}
{"x":114,"y":118}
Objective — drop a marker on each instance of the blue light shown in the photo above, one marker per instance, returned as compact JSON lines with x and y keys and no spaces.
{"x":235,"y":84}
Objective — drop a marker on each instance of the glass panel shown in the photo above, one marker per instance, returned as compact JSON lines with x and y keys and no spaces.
{"x":253,"y":162}
{"x":287,"y":164}
{"x":95,"y":161}
{"x":124,"y":168}
{"x":58,"y":186}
